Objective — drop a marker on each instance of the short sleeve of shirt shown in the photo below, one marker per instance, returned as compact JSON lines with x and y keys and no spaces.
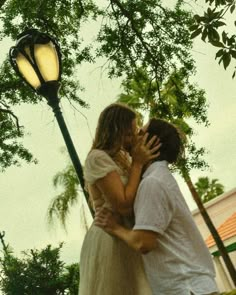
{"x":97,"y":165}
{"x":153,"y":209}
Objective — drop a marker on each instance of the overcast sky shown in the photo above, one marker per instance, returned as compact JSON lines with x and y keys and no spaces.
{"x":26,"y":192}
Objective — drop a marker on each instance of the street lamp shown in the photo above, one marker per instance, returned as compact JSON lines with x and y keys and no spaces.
{"x":36,"y":58}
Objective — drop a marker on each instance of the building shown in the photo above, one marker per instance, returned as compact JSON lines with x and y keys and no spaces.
{"x":222,"y":211}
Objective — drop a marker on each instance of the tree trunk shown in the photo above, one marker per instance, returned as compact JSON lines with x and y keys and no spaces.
{"x":212,"y":229}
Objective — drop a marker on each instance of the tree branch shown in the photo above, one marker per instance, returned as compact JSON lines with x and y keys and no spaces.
{"x":15,"y":117}
{"x":144,"y":44}
{"x":122,"y":34}
{"x":138,"y":34}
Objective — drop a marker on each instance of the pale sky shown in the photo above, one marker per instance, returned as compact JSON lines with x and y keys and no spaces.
{"x":26,"y":191}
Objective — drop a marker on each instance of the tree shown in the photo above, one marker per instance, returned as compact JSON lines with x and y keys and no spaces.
{"x":210,"y":27}
{"x":61,"y":204}
{"x":11,"y":149}
{"x":38,"y":272}
{"x":207,"y":189}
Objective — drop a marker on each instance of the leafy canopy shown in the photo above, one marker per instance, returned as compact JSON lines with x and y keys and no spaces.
{"x":180,"y":101}
{"x":38,"y":272}
{"x":214,"y":29}
{"x":208,"y":189}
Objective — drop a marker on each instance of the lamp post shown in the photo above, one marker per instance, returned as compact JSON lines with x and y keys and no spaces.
{"x":36,"y":58}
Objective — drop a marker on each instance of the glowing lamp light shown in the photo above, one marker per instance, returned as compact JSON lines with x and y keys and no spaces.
{"x":37,"y":59}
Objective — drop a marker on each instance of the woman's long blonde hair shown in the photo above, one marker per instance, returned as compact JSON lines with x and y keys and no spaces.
{"x":114,"y":123}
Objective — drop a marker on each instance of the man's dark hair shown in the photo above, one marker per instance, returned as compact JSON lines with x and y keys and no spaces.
{"x":169,"y":138}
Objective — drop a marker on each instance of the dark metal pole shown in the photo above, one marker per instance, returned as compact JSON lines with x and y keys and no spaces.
{"x":72,"y":152}
{"x":70,"y":146}
{"x":49,"y":91}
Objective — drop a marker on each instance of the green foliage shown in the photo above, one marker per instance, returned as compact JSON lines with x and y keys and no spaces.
{"x":60,"y":205}
{"x":207,"y":189}
{"x":39,"y":272}
{"x":178,"y":100}
{"x":145,"y":34}
{"x":11,"y":150}
{"x":209,"y":27}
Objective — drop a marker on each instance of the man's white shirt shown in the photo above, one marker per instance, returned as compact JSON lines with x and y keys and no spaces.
{"x":181,"y":263}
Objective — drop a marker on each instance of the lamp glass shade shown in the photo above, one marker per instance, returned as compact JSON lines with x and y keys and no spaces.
{"x":26,"y":70}
{"x":47,"y":61}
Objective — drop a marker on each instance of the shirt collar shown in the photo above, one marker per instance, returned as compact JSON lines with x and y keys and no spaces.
{"x":154,"y":166}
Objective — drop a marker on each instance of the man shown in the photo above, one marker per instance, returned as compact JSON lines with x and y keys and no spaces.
{"x":176,"y":259}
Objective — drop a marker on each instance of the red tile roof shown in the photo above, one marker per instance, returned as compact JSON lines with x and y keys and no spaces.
{"x":226,"y":230}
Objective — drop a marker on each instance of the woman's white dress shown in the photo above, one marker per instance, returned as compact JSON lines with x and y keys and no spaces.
{"x":107,"y":265}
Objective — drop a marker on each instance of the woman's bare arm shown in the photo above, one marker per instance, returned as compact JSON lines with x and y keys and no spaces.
{"x":142,"y":241}
{"x":122,"y":196}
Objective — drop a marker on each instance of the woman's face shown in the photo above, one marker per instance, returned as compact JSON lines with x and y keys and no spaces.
{"x":130,"y":137}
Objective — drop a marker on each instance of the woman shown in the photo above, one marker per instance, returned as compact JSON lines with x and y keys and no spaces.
{"x":107,"y":265}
